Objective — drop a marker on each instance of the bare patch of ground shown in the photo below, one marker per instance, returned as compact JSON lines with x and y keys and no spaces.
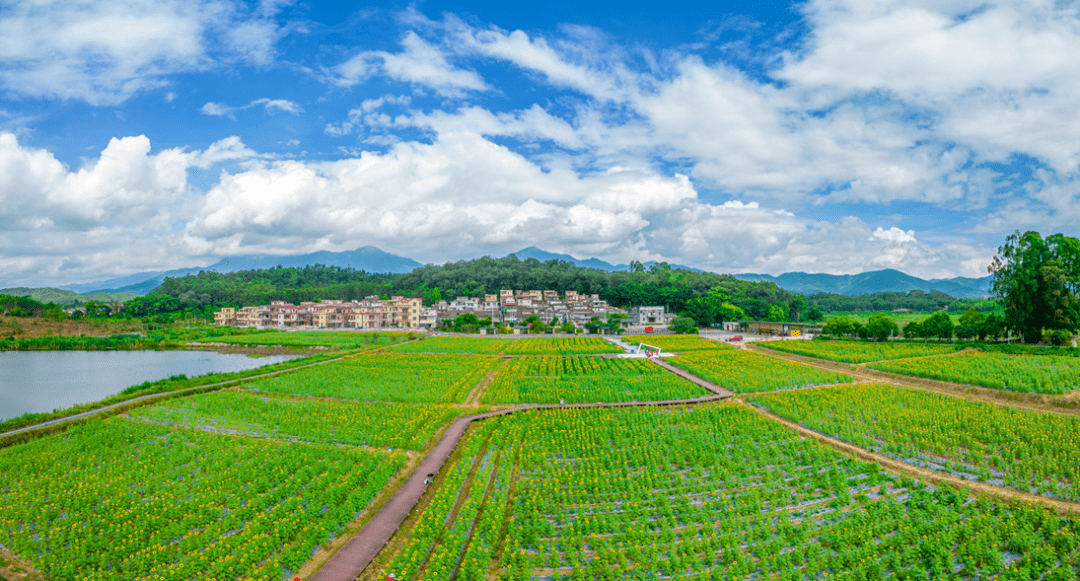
{"x":14,"y":568}
{"x":473,"y":400}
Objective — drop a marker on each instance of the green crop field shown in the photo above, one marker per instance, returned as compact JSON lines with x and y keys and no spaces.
{"x":851,"y":352}
{"x":119,"y":499}
{"x":339,"y":339}
{"x":391,"y":377}
{"x":1030,"y":451}
{"x":674,"y":342}
{"x":1024,"y":373}
{"x":408,"y":426}
{"x":586,"y":380}
{"x":747,"y":372}
{"x":561,"y":346}
{"x":479,"y":345}
{"x":714,"y":492}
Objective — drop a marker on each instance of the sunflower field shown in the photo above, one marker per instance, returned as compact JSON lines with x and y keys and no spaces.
{"x":712,"y":492}
{"x":120,"y":499}
{"x":1029,"y":451}
{"x":1024,"y":373}
{"x":390,"y":377}
{"x":677,"y":343}
{"x":586,"y":380}
{"x":561,"y":346}
{"x":477,"y":345}
{"x":379,"y":425}
{"x":852,"y":352}
{"x":743,"y":371}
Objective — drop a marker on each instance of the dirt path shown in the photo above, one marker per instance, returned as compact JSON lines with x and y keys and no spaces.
{"x":924,"y":474}
{"x":689,"y":376}
{"x":473,"y":400}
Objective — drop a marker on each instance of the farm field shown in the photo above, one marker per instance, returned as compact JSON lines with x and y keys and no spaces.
{"x":747,"y":372}
{"x":119,"y":499}
{"x":675,"y":343}
{"x":561,"y":346}
{"x":586,"y":380}
{"x":1045,"y":374}
{"x":381,"y":425}
{"x":478,"y":345}
{"x":1029,"y":451}
{"x":713,"y":492}
{"x":339,"y":339}
{"x":404,"y":378}
{"x":851,"y":352}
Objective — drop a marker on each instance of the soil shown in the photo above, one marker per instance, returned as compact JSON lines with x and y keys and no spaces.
{"x":12,"y":568}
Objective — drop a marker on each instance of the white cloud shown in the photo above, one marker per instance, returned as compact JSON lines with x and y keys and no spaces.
{"x":114,"y":214}
{"x":420,"y":63}
{"x":106,"y":52}
{"x":270,"y":105}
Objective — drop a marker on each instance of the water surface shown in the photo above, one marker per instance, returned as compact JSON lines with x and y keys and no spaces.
{"x":40,"y":381}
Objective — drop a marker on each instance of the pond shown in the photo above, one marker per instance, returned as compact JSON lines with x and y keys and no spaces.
{"x":40,"y":381}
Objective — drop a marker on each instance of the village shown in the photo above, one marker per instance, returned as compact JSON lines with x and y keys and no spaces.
{"x":508,"y":309}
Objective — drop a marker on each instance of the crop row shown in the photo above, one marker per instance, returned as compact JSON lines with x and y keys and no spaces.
{"x":119,"y":499}
{"x":1033,"y":452}
{"x":561,"y":346}
{"x":1024,"y":373}
{"x":586,"y":380}
{"x":852,"y":352}
{"x":747,"y":372}
{"x":478,"y":345}
{"x":387,"y":377}
{"x":719,"y":492}
{"x":408,"y":426}
{"x":675,"y":343}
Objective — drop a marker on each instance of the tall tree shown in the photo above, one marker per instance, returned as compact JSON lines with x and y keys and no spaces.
{"x":1037,"y":282}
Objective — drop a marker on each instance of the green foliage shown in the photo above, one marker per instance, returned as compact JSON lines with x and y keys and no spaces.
{"x":561,"y":346}
{"x":857,"y":352}
{"x":1037,"y":281}
{"x":478,"y":345}
{"x":393,"y":377}
{"x":1023,"y":373}
{"x":683,"y":325}
{"x":880,"y":327}
{"x":149,"y":502}
{"x":985,"y":441}
{"x":839,"y":327}
{"x":938,"y":325}
{"x":677,"y":343}
{"x":408,"y":426}
{"x":747,"y":372}
{"x":335,"y":339}
{"x":586,"y":380}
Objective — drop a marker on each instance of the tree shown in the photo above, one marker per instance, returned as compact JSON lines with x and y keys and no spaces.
{"x":814,"y":314}
{"x":938,"y":325}
{"x":594,"y":325}
{"x":568,"y":327}
{"x":839,"y":326}
{"x":614,"y":322}
{"x":1037,"y":282}
{"x":970,"y":324}
{"x":538,"y":327}
{"x":683,"y":325}
{"x":777,"y":313}
{"x":881,"y":327}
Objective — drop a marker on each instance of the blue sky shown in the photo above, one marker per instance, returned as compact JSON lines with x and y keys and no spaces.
{"x":827,"y":136}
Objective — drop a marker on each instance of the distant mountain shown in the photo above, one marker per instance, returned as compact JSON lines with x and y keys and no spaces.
{"x":367,"y":258}
{"x":877,"y":281}
{"x":64,"y":297}
{"x":543,"y":255}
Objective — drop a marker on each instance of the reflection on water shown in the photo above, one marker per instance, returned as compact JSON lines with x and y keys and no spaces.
{"x":40,"y":381}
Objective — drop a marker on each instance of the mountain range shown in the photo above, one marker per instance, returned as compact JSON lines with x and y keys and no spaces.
{"x":372,"y":259}
{"x":873,"y":282}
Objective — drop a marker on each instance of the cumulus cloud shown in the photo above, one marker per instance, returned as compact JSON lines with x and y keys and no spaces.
{"x":106,"y":52}
{"x":115,"y":212}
